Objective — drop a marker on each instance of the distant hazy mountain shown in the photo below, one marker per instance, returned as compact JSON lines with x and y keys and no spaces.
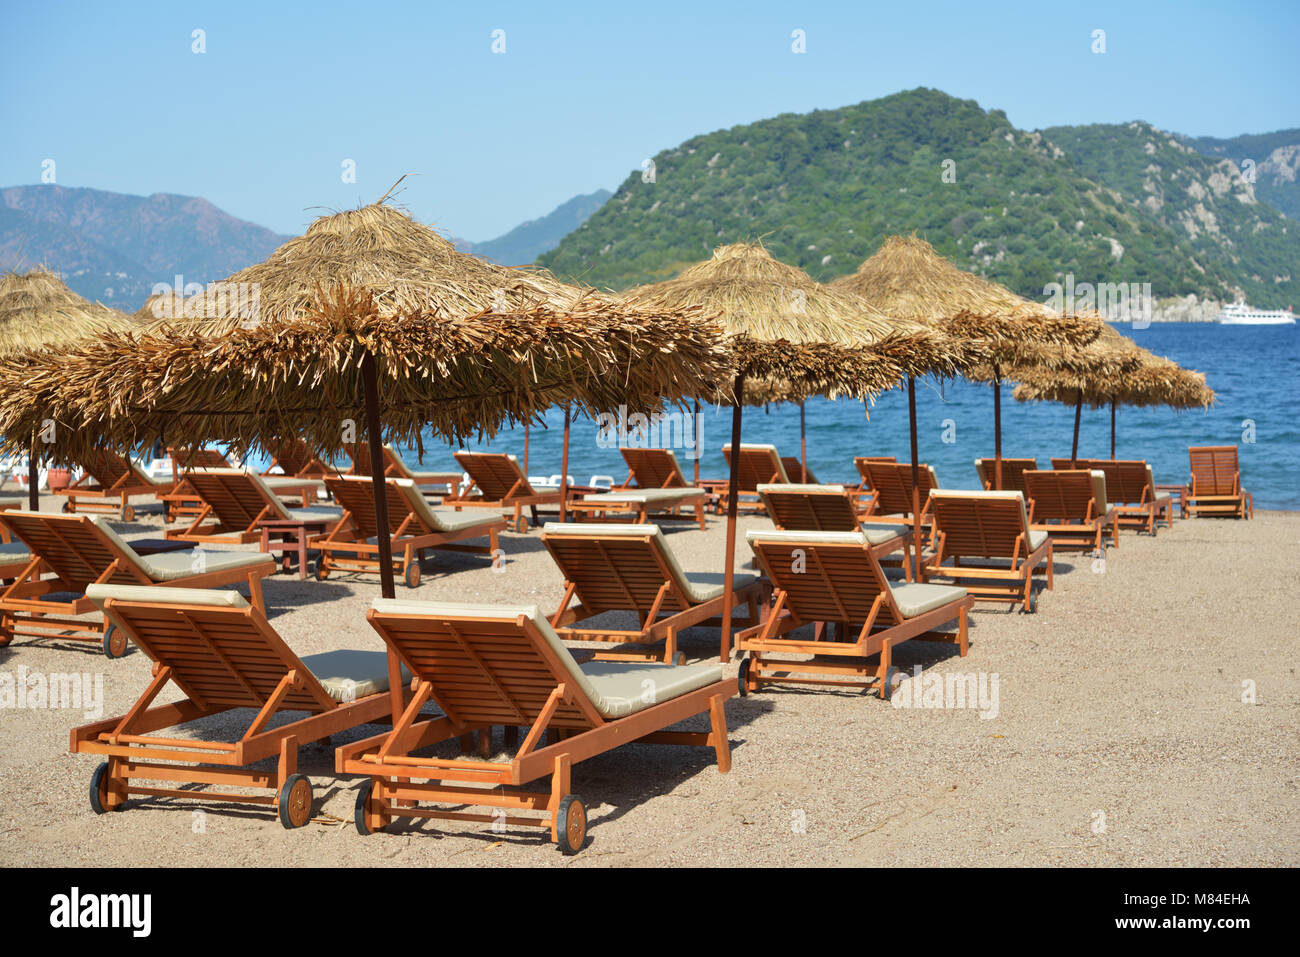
{"x":527,"y":241}
{"x":114,"y":247}
{"x":1277,"y":163}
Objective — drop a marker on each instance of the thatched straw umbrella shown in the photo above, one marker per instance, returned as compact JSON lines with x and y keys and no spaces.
{"x":1156,"y":381}
{"x":908,"y":279}
{"x":38,"y":310}
{"x":301,"y":343}
{"x":789,"y":332}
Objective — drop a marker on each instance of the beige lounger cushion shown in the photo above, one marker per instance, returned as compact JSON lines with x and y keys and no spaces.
{"x":169,"y":566}
{"x":15,"y":551}
{"x":212,"y":597}
{"x":615,"y":689}
{"x":348,"y":674}
{"x":912,"y":599}
{"x":1099,"y":491}
{"x":802,"y":489}
{"x":288,"y":481}
{"x":872,"y":534}
{"x":648,"y":496}
{"x":321,"y":513}
{"x":440,"y":519}
{"x":699,"y":587}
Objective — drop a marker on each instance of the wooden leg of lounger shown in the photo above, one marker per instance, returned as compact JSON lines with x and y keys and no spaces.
{"x":718,"y":721}
{"x":963,"y":633}
{"x":559,"y":788}
{"x":485,"y":742}
{"x":882,"y":673}
{"x":255,"y":592}
{"x":670,"y":645}
{"x":1050,"y":566}
{"x":288,"y":760}
{"x":116,"y":790}
{"x":699,"y":514}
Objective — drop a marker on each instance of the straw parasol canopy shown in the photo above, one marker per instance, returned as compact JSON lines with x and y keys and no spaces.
{"x":37,"y":309}
{"x":908,"y":279}
{"x":1158,"y":381}
{"x":462,"y":346}
{"x":794,"y":337}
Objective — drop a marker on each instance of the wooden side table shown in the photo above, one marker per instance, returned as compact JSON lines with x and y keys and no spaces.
{"x":293,"y":535}
{"x":1180,"y":492}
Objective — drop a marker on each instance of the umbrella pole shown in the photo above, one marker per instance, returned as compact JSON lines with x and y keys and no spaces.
{"x":33,"y":475}
{"x":1112,"y":429}
{"x":1078,"y":409}
{"x":803,"y":445}
{"x":527,"y":429}
{"x":733,"y":495}
{"x":997,"y":427}
{"x":370,"y":382}
{"x":697,"y":443}
{"x":916,"y":475}
{"x":564,"y":470}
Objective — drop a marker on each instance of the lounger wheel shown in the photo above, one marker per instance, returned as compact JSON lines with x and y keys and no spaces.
{"x":742,"y":679}
{"x":571,"y":824}
{"x":363,"y":801}
{"x":67,"y":507}
{"x":128,"y":513}
{"x":1033,"y":604}
{"x":412,"y":575}
{"x":99,"y":791}
{"x":521,"y":525}
{"x":319,"y":570}
{"x":114,"y":642}
{"x":295,"y":801}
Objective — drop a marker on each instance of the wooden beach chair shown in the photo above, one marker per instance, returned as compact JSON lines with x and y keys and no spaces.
{"x":1012,"y":469}
{"x":107,"y":478}
{"x":1131,"y":488}
{"x":638,"y":505}
{"x":630,"y":568}
{"x":295,"y":459}
{"x":652,"y":468}
{"x":82,"y":550}
{"x":1071,"y":507}
{"x":831,"y":508}
{"x":891,"y":484}
{"x":236,"y":501}
{"x":413,"y":525}
{"x":832,"y":581}
{"x":794,"y":470}
{"x":394,"y":467}
{"x":988,"y":526}
{"x":181,"y":500}
{"x":757,"y":465}
{"x":1215,"y":488}
{"x":222,"y":655}
{"x":497,"y":482}
{"x":864,"y":489}
{"x":490,"y":665}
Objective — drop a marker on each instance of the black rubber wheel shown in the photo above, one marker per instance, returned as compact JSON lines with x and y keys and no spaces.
{"x":571,"y":824}
{"x":99,"y":790}
{"x":1033,"y":604}
{"x":359,"y":816}
{"x":114,"y":642}
{"x":413,"y":575}
{"x":742,"y":679}
{"x":295,"y":801}
{"x":128,"y":513}
{"x":319,"y":571}
{"x":67,"y":507}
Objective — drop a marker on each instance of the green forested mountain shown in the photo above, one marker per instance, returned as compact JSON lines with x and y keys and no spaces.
{"x":1276,"y":159}
{"x":823,"y":189}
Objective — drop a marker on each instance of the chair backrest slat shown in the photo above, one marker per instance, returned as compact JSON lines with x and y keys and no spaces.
{"x":824,"y":581}
{"x":495,"y":474}
{"x":654,"y":468}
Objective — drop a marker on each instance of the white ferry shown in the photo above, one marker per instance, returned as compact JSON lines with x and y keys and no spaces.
{"x":1240,"y":314}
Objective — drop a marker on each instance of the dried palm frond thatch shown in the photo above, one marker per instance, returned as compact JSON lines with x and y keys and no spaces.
{"x":786,"y":327}
{"x":37,"y":309}
{"x":1156,"y":381}
{"x":300,"y":375}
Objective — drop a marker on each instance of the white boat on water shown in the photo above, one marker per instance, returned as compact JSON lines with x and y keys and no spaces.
{"x":1240,"y":314}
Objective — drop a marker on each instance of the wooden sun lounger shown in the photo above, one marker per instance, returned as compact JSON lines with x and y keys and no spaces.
{"x":758,"y":465}
{"x":15,"y":559}
{"x":394,"y":467}
{"x":413,"y":525}
{"x":794,"y":470}
{"x":223,"y":655}
{"x":109,"y":477}
{"x":1012,"y":469}
{"x":1071,"y":507}
{"x":82,"y":550}
{"x":639,"y":504}
{"x":831,"y":508}
{"x":1215,"y":488}
{"x":497,"y":482}
{"x":988,"y":526}
{"x":864,"y":489}
{"x":891,"y":483}
{"x":833,"y":581}
{"x":236,"y":501}
{"x":658,"y":469}
{"x":490,"y":665}
{"x":295,"y":459}
{"x":181,"y":501}
{"x":631,"y":568}
{"x":1131,"y":488}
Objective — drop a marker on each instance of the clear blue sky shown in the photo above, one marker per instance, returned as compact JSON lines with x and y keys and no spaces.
{"x":262,"y":121}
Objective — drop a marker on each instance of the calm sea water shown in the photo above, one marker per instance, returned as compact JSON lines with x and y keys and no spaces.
{"x":1254,"y":370}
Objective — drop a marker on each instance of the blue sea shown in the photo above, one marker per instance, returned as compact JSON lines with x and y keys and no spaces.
{"x":1255,"y":370}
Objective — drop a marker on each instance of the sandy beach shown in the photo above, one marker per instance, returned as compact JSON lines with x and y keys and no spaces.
{"x":1121,"y":734}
